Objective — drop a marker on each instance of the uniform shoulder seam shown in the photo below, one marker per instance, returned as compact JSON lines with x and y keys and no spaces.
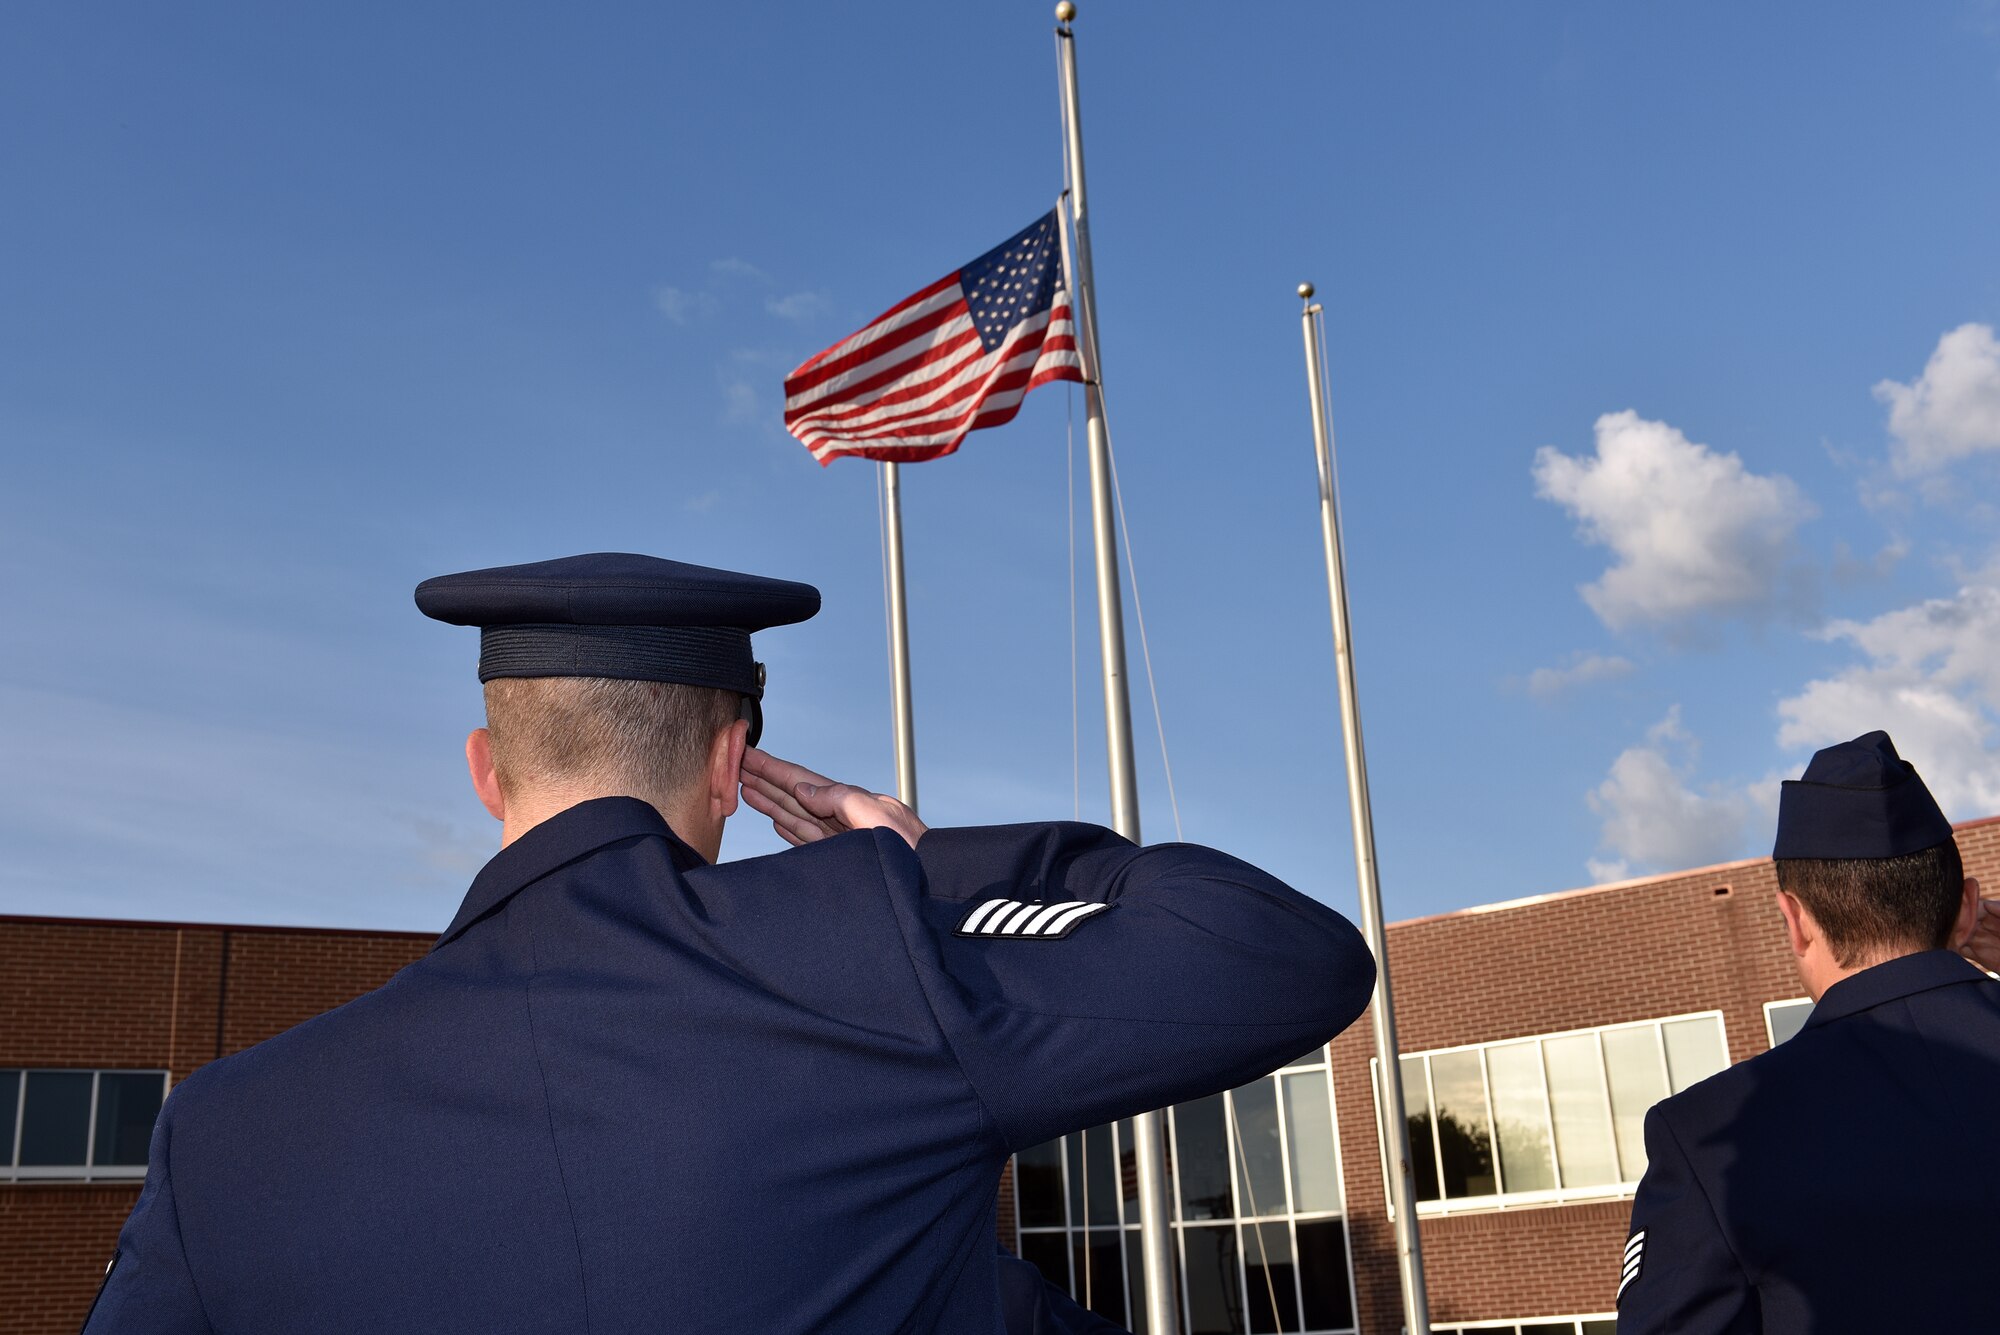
{"x":1694,"y":1174}
{"x":930,"y":1002}
{"x":180,"y":1238}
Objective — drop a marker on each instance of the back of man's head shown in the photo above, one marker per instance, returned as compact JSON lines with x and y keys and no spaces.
{"x":1864,"y":848}
{"x":1873,"y":909}
{"x":590,"y":735}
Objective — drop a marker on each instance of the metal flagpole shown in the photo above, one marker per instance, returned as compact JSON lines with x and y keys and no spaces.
{"x":1155,"y":1233}
{"x":899,"y":637}
{"x":1409,"y":1260}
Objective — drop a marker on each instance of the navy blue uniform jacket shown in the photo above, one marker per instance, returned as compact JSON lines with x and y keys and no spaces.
{"x":1846,"y":1180}
{"x":629,"y":1091}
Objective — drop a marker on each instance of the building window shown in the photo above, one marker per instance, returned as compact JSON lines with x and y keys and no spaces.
{"x":1782,"y":1019}
{"x":1557,"y":1117}
{"x":1258,"y":1211}
{"x":88,"y":1125}
{"x":1606,"y":1324}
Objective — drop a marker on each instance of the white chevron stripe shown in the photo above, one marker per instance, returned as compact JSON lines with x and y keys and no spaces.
{"x":1016,"y":920}
{"x":1041,"y":920}
{"x":991,"y":908}
{"x":1065,"y":921}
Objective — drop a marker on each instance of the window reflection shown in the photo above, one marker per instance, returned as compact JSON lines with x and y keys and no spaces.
{"x":1465,"y":1141}
{"x":10,"y":1098}
{"x":55,"y":1124}
{"x":1038,"y":1186}
{"x":1104,"y":1290}
{"x":1260,"y":1162}
{"x":1521,"y":1113}
{"x":1323,"y":1274}
{"x":1783,"y":1019}
{"x":1549,"y":1115}
{"x":1201,"y":1142}
{"x":1694,"y":1051}
{"x":1214,"y":1288}
{"x":1423,"y":1146}
{"x":1271,"y":1295}
{"x":1100,"y":1177}
{"x":1315,"y":1174}
{"x":1637,"y":1073}
{"x":1577,"y":1106}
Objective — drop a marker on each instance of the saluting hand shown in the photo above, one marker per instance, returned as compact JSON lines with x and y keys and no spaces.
{"x":1982,"y":947}
{"x":804,"y":806}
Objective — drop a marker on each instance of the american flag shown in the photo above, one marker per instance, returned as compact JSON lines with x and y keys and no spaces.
{"x":958,"y":355}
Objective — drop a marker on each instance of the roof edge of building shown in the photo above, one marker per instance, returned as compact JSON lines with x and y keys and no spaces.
{"x":1529,"y":901}
{"x":156,"y":924}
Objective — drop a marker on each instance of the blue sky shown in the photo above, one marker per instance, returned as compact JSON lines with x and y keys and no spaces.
{"x":1663,"y":364}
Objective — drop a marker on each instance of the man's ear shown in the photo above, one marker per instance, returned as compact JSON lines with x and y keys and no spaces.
{"x":1800,"y":929}
{"x":725,"y":768}
{"x":485,"y":779}
{"x":1968,"y":914}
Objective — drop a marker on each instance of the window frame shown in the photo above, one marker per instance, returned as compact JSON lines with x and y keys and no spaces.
{"x":1239,"y":1224}
{"x":1560,"y":1194}
{"x":11,"y":1168}
{"x":1507,"y":1326}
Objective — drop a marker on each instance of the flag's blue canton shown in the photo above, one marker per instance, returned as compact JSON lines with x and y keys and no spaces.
{"x":1016,"y":279}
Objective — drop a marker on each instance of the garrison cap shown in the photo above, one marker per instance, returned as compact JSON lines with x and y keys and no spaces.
{"x":620,"y":615}
{"x":1858,"y":800}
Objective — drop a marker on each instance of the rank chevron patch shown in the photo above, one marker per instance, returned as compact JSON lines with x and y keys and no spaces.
{"x":1004,"y":919}
{"x":1635,"y":1251}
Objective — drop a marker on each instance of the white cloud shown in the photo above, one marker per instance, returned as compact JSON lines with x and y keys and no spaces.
{"x":735,"y":268}
{"x":681,"y":306}
{"x":1693,"y":531}
{"x":1545,"y":683}
{"x":1951,"y":411}
{"x":800,"y":306}
{"x":1652,"y":820}
{"x":1931,"y":679}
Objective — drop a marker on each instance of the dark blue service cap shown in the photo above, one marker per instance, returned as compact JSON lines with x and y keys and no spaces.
{"x":620,"y":615}
{"x":1858,"y":800}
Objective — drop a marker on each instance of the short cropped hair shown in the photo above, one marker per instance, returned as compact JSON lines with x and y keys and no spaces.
{"x":1874,"y":907}
{"x":650,"y":736}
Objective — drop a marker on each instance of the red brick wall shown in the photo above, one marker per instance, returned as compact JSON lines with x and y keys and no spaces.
{"x":55,"y":1240}
{"x":109,"y":994}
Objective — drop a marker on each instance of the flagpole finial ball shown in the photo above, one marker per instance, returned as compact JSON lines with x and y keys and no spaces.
{"x":1065,"y":12}
{"x":1306,"y":291}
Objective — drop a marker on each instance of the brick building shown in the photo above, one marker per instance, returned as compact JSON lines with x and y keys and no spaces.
{"x":1534,"y":1035}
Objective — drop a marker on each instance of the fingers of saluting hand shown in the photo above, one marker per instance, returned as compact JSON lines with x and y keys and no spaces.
{"x":781,"y":773}
{"x":792,"y":823}
{"x":830,"y":801}
{"x":783,"y":797}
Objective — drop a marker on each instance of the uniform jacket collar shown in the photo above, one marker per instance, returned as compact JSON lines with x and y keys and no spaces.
{"x":557,"y":842}
{"x":1891,"y":980}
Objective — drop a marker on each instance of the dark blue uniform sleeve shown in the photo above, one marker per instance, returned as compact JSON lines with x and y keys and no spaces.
{"x":149,"y":1288}
{"x":1678,"y":1273}
{"x":1198,"y":973}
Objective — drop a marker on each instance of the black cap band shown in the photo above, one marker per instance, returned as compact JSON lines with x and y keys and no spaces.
{"x":717,"y":656}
